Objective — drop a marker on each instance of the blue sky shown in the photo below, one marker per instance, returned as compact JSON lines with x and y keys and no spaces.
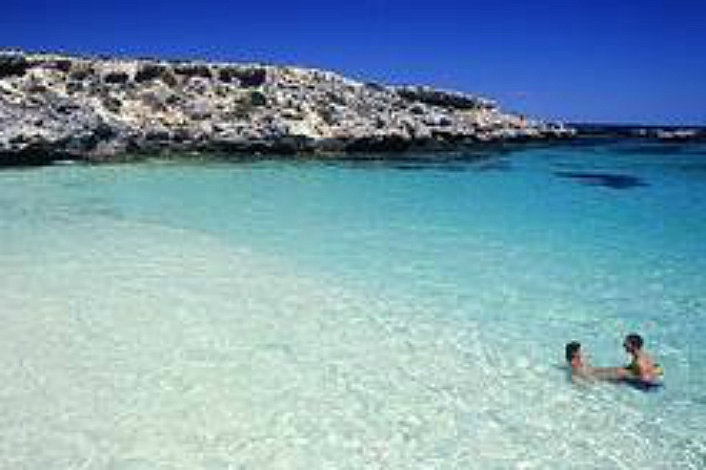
{"x":638,"y":61}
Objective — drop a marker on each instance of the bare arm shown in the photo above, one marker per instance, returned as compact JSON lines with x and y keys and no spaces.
{"x":609,"y":373}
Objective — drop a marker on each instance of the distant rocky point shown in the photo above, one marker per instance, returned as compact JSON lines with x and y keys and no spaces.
{"x":669,"y":134}
{"x":57,"y":106}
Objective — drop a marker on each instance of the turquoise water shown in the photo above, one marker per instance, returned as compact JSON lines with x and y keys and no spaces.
{"x":353,"y":314}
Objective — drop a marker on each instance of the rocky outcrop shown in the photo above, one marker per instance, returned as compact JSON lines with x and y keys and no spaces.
{"x":103,"y":109}
{"x":651,"y":133}
{"x":681,"y":135}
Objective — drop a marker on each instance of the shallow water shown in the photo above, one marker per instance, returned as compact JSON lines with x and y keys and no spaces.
{"x":347,"y":314}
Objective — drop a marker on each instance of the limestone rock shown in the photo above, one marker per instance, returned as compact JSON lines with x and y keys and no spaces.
{"x":101,"y":109}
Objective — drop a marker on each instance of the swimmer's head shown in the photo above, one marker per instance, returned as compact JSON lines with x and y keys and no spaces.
{"x":573,"y":349}
{"x":633,"y":342}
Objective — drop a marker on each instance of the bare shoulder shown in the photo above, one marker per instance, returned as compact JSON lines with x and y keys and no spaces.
{"x":646,"y":366}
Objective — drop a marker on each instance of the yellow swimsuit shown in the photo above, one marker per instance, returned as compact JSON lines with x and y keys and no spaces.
{"x":635,"y":369}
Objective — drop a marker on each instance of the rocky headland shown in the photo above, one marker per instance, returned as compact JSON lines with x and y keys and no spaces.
{"x":653,"y":133}
{"x":56,"y":106}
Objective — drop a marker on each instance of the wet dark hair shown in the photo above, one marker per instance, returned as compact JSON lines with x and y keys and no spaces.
{"x":572,"y":349}
{"x":634,"y":340}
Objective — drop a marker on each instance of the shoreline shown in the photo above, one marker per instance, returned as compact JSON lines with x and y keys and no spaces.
{"x":38,"y":157}
{"x":33,"y":157}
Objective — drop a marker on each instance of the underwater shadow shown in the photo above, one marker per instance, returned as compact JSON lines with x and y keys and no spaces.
{"x":440,"y":161}
{"x":607,"y":180}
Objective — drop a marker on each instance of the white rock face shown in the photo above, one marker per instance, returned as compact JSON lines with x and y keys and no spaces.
{"x":54,"y":106}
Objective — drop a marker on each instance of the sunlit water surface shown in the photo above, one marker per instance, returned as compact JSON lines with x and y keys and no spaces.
{"x":378,"y":314}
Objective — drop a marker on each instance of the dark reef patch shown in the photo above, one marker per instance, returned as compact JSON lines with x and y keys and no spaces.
{"x":493,"y":164}
{"x":475,"y":161}
{"x":651,"y":148}
{"x":608,"y":180}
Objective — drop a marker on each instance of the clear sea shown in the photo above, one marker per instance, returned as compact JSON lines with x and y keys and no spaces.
{"x":353,"y":314}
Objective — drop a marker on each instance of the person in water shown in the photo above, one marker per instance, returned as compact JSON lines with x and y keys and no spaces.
{"x":579,"y":367}
{"x":641,"y":371}
{"x":642,"y":367}
{"x":581,"y":370}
